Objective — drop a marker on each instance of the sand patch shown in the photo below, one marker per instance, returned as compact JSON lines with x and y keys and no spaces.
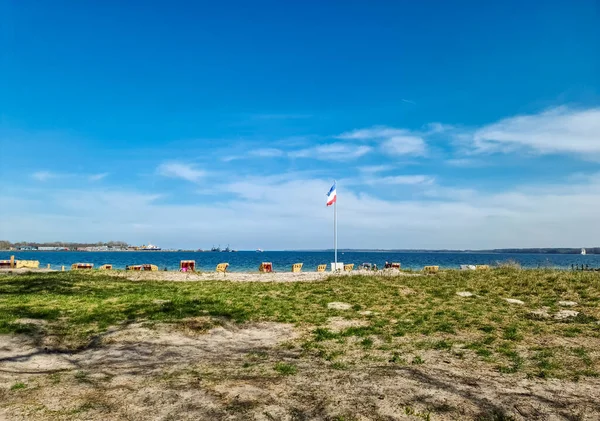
{"x":337,"y":324}
{"x":565,"y":314}
{"x":514,"y":301}
{"x":339,"y":306}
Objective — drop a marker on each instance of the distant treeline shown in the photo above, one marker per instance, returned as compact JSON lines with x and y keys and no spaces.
{"x":591,"y":250}
{"x":4,"y":245}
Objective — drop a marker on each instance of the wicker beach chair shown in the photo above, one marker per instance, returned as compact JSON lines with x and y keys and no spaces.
{"x":349,"y":267}
{"x":266,"y":267}
{"x":187,"y":266}
{"x":106,"y":267}
{"x":482,"y":267}
{"x":297,"y":267}
{"x":431,"y":269}
{"x":395,"y":265}
{"x":321,"y":268}
{"x":222,"y":267}
{"x":82,"y":266}
{"x":151,"y":268}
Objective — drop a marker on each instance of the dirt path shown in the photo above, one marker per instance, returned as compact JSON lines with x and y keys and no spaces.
{"x":257,"y":372}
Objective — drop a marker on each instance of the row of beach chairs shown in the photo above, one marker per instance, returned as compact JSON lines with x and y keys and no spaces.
{"x":190,"y":266}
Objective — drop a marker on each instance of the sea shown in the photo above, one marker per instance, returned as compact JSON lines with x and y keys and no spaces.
{"x":249,"y":261}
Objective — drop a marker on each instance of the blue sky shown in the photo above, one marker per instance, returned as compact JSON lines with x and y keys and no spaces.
{"x":446,"y":124}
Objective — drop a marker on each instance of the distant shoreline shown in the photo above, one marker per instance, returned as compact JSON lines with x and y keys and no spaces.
{"x":590,"y":251}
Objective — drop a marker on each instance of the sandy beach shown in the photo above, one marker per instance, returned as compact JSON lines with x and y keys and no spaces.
{"x":176,"y":276}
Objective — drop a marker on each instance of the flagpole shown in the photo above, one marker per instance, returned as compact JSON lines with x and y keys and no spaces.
{"x":335,"y":228}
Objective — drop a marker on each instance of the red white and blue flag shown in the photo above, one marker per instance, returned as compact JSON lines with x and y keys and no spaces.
{"x":332,"y":195}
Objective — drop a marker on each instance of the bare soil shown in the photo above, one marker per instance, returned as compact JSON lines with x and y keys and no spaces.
{"x":237,"y":372}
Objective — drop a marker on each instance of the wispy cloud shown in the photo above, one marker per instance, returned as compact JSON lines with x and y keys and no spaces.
{"x":98,"y":177}
{"x":373,"y":169}
{"x":266,"y":152}
{"x":558,"y":130}
{"x":408,"y":101}
{"x":333,"y":152}
{"x":392,"y":141}
{"x":372,"y":180}
{"x":178,"y":170}
{"x":44,"y":175}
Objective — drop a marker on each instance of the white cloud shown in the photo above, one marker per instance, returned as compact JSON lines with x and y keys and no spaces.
{"x":371,"y":180}
{"x":392,"y":141}
{"x":178,"y":170}
{"x":373,"y":133}
{"x":558,"y":130}
{"x":373,"y":169}
{"x":266,"y":152}
{"x":98,"y":177}
{"x":406,"y":179}
{"x":44,"y":175}
{"x":332,"y":152}
{"x":465,"y":162}
{"x":260,"y":210}
{"x":404,"y":145}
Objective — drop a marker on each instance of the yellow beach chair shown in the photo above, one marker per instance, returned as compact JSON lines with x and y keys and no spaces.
{"x":27,"y":264}
{"x":321,"y":268}
{"x":82,"y":266}
{"x":106,"y":267}
{"x":431,"y":269}
{"x":297,"y":267}
{"x":133,"y":267}
{"x":151,"y":268}
{"x":222,"y":267}
{"x":348,"y":267}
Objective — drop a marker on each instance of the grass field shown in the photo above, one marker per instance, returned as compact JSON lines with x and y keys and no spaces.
{"x":413,"y":322}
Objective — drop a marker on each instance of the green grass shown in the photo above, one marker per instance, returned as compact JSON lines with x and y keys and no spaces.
{"x":286,"y":369}
{"x":76,"y":307}
{"x":18,"y":386}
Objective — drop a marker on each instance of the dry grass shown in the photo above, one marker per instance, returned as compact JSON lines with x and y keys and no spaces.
{"x":410,"y":326}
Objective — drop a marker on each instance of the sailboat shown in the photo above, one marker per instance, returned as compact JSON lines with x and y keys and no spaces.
{"x":583,"y":252}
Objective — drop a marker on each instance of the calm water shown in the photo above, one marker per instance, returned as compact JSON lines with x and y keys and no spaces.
{"x":282,"y":260}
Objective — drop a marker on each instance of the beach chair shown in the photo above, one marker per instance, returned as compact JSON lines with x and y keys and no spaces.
{"x":482,"y":267}
{"x":187,"y":266}
{"x":431,"y":269}
{"x":395,"y":265}
{"x":222,"y":267}
{"x":27,"y":264}
{"x":348,"y":267}
{"x":106,"y":267}
{"x":321,"y":268}
{"x":266,"y":267}
{"x":82,"y":266}
{"x":297,"y":267}
{"x":133,"y":267}
{"x":151,"y":268}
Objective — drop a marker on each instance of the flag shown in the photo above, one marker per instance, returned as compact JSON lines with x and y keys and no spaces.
{"x":332,"y":195}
